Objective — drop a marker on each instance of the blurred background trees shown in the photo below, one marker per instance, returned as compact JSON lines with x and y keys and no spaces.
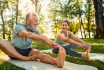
{"x":86,"y":16}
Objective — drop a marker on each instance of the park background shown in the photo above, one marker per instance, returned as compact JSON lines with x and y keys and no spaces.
{"x":86,"y":17}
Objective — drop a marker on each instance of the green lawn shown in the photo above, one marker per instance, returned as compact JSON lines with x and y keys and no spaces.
{"x":97,"y":47}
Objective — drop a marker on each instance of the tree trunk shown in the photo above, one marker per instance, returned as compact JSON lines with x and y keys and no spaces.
{"x":99,"y":18}
{"x":3,"y":26}
{"x":82,"y":26}
{"x":88,"y":18}
{"x":17,"y":12}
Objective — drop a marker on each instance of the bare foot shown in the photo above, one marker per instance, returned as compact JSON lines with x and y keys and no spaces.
{"x":61,"y":57}
{"x":86,"y":55}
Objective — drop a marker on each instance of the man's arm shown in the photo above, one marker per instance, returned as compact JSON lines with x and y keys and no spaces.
{"x":31,"y":35}
{"x":34,"y":36}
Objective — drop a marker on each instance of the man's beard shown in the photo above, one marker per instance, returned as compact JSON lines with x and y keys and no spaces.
{"x":33,"y":28}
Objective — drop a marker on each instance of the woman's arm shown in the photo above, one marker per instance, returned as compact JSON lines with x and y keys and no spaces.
{"x":76,"y":38}
{"x":65,"y":39}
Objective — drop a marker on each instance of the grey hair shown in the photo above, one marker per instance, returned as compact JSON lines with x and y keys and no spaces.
{"x":65,"y":20}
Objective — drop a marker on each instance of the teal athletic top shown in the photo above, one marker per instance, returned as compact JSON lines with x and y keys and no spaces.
{"x":21,"y":42}
{"x":60,"y":42}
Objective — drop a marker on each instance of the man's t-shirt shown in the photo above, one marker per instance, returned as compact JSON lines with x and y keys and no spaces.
{"x":21,"y":42}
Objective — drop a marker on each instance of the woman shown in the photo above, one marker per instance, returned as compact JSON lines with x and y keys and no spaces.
{"x":23,"y":34}
{"x":69,"y":41}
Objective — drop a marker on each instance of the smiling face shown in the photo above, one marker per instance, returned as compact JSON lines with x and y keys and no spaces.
{"x":64,"y":26}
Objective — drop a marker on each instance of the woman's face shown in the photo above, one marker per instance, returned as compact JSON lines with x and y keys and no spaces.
{"x":33,"y":19}
{"x":64,"y":26}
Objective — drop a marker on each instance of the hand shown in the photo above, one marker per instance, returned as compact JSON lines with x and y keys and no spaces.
{"x":33,"y":57}
{"x":86,"y":46}
{"x":89,"y":44}
{"x":51,"y":43}
{"x":55,"y":46}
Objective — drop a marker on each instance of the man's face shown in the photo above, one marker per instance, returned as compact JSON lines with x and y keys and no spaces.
{"x":33,"y":19}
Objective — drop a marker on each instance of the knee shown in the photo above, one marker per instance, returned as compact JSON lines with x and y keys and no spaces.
{"x":38,"y":53}
{"x":35,"y":52}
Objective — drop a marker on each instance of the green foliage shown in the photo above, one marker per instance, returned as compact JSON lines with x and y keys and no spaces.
{"x":74,"y":27}
{"x":72,"y":9}
{"x":55,"y":28}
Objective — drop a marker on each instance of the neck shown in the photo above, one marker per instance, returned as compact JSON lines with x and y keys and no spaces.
{"x":64,"y":31}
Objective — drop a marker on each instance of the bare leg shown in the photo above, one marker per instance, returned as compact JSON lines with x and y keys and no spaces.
{"x":61,"y":57}
{"x":8,"y":49}
{"x":59,"y":61}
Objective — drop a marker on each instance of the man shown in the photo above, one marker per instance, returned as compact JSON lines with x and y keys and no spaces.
{"x":23,"y":35}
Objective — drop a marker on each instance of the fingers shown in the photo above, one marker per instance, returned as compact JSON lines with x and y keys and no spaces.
{"x":86,"y":46}
{"x":53,"y":44}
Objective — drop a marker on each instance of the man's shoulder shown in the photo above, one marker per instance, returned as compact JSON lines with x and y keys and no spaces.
{"x":19,"y":25}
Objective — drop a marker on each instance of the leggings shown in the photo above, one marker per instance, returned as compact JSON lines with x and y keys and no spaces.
{"x":69,"y":51}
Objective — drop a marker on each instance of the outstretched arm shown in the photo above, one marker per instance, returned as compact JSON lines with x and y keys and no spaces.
{"x":34,"y":36}
{"x":65,"y":39}
{"x":76,"y":38}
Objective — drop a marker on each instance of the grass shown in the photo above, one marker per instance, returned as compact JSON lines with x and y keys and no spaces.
{"x":40,"y":46}
{"x":97,"y":47}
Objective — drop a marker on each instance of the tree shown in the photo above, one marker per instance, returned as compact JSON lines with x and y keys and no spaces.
{"x":17,"y":11}
{"x":89,"y":16}
{"x":37,"y":5}
{"x":3,"y":6}
{"x":99,"y":18}
{"x":8,"y":21}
